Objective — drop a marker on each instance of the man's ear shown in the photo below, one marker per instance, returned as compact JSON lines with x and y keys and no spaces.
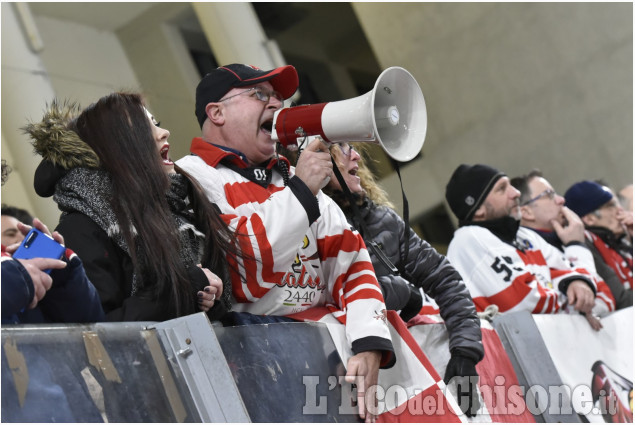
{"x":479,"y":215}
{"x":215,"y":113}
{"x":589,"y":220}
{"x":527,"y":213}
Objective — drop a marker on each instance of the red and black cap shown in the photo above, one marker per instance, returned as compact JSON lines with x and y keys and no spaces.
{"x":221,"y":80}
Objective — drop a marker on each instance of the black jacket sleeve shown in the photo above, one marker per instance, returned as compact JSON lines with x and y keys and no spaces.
{"x":110,"y":270}
{"x":199,"y":281}
{"x":396,"y":291}
{"x":427,"y":269}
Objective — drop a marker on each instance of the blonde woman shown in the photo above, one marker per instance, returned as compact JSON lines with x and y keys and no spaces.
{"x":424,"y":268}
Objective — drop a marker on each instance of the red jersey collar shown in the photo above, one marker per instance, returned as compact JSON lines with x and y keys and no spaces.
{"x":213,"y":155}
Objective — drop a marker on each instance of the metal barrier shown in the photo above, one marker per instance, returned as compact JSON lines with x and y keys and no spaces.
{"x":117,"y":372}
{"x":174,"y":371}
{"x":191,"y":370}
{"x":532,"y":363}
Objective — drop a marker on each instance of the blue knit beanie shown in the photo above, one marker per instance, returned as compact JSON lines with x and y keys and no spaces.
{"x":586,"y":196}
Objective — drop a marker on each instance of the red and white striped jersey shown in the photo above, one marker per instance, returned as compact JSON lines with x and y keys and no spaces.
{"x":299,"y":264}
{"x":497,"y":273}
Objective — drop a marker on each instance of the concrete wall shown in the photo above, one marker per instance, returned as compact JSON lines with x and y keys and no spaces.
{"x":158,"y":54}
{"x":84,"y":63}
{"x":513,"y":85}
{"x":77,"y":62}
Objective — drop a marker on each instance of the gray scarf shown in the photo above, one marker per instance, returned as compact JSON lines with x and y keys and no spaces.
{"x":88,"y":191}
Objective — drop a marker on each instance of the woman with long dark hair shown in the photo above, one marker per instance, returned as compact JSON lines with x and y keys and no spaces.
{"x":152,"y":244}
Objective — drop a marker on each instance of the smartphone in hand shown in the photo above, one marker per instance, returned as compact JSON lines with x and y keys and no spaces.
{"x":37,"y":244}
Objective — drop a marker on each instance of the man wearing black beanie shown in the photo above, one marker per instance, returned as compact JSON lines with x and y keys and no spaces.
{"x":502,"y":264}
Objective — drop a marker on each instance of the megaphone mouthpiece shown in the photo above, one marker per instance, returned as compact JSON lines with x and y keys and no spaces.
{"x":292,"y":125}
{"x":394,"y":116}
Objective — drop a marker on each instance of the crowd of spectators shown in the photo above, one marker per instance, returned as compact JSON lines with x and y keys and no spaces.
{"x":239,"y":232}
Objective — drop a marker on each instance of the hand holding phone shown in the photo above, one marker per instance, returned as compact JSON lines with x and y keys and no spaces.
{"x":38,"y":244}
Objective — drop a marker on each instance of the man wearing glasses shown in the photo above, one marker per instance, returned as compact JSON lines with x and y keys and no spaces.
{"x":299,"y":254}
{"x":544,"y":212}
{"x":506,"y":265}
{"x":609,"y":228}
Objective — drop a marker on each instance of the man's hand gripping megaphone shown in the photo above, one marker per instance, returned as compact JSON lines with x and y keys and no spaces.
{"x":314,"y":166}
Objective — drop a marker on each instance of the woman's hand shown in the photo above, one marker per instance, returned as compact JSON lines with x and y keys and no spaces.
{"x":210,"y":293}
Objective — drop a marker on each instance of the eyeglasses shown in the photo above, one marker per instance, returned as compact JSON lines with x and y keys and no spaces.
{"x":346,"y":149}
{"x":550,"y":193}
{"x":259,"y":93}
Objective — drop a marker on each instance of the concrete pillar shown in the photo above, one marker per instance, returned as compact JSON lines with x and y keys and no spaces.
{"x":235,"y":34}
{"x":25,"y":89}
{"x":14,"y":193}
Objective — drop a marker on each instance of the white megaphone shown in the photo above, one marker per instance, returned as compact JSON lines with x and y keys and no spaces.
{"x":392,"y":114}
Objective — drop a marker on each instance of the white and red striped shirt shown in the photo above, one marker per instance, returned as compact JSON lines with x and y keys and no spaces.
{"x":300,"y":264}
{"x":497,"y":273}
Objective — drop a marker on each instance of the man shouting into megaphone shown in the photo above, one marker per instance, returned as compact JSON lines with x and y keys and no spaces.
{"x":301,"y":260}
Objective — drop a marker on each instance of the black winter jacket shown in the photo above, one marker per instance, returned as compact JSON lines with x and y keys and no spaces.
{"x":425,"y":268}
{"x":66,"y":161}
{"x":110,"y":270}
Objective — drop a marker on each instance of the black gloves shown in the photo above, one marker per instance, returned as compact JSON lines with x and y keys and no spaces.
{"x":462,"y":369}
{"x":413,"y":307}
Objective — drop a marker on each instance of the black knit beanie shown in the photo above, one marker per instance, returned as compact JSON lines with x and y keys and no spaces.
{"x":468,"y":187}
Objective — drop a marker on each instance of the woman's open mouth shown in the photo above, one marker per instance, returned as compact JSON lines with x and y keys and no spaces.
{"x":164,"y":155}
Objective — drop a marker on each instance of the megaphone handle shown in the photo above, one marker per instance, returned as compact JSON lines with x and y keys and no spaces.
{"x":306,"y":141}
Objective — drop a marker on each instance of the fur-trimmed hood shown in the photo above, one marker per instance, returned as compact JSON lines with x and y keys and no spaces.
{"x":55,"y":142}
{"x":60,"y":147}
